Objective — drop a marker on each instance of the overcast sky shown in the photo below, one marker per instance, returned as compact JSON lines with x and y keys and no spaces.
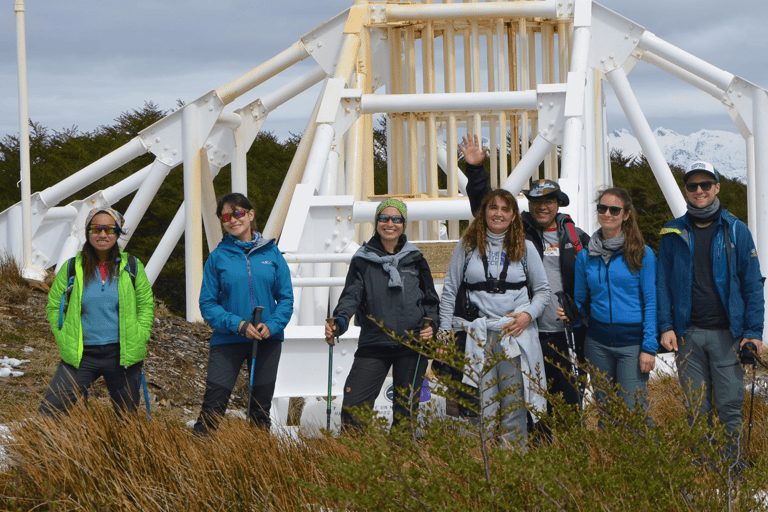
{"x":88,"y":61}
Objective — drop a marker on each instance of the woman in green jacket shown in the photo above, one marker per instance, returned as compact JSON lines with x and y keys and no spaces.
{"x":101,"y":311}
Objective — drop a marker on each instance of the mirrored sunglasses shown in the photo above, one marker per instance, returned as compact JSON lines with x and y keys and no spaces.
{"x":705,"y":185}
{"x":237,"y":214}
{"x":397,"y":219}
{"x":615,"y":210}
{"x":95,"y":229}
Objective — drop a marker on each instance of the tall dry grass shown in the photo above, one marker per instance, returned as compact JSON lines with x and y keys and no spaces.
{"x":13,"y":288}
{"x":90,"y":460}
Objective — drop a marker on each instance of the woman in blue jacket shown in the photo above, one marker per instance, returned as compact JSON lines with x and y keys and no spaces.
{"x":244,"y":271}
{"x":616,"y":291}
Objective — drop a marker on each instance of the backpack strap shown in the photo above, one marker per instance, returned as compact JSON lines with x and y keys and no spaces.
{"x":132,"y":267}
{"x":574,"y":237}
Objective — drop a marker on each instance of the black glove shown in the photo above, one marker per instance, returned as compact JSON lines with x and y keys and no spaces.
{"x":569,"y":306}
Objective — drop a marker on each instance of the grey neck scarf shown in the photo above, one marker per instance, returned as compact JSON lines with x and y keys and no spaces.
{"x":707,"y":214}
{"x":388,"y":262}
{"x":605,"y":248}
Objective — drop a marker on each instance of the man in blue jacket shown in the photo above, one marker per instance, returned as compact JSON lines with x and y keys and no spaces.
{"x":710,"y":300}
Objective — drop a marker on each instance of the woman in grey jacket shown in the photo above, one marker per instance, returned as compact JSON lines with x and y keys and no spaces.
{"x":388,"y":281}
{"x":508,"y":286}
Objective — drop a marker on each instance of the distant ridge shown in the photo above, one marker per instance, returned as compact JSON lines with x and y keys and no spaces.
{"x":725,"y":150}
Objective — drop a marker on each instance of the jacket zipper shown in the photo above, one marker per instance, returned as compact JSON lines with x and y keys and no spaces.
{"x":610,"y":300}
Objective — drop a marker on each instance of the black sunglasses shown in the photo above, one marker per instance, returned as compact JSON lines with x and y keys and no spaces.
{"x":397,"y":219}
{"x":615,"y":210}
{"x":705,"y":185}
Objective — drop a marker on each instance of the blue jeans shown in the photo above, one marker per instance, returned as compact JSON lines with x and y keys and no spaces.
{"x":711,"y":375}
{"x":621,"y":365}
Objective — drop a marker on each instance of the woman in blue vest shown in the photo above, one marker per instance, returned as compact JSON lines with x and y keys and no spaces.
{"x":102,"y":322}
{"x":616,"y":291}
{"x":244,"y":271}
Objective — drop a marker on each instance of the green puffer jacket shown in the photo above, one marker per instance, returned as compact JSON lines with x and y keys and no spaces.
{"x":137,"y":312}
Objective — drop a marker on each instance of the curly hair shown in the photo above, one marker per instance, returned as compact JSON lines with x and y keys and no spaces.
{"x":634,"y":243}
{"x":514,"y":238}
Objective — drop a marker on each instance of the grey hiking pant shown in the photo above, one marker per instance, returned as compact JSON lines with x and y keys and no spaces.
{"x":711,"y":375}
{"x":69,"y":383}
{"x":514,"y":416}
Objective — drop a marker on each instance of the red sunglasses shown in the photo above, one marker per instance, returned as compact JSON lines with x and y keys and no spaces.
{"x":238,"y":214}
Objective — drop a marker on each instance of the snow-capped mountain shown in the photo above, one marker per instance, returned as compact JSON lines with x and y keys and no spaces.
{"x":725,"y":150}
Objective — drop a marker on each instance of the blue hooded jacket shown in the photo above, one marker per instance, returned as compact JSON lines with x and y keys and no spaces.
{"x":235,"y":282}
{"x":736,"y":272}
{"x":620,"y":305}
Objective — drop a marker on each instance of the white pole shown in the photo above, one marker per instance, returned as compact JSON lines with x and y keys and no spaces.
{"x":287,"y":58}
{"x":98,"y":169}
{"x":631,"y":107}
{"x":193,"y":229}
{"x":685,"y":60}
{"x":528,"y":165}
{"x":142,"y":199}
{"x":760,"y":130}
{"x":318,"y":155}
{"x":165,"y":247}
{"x":28,"y":271}
{"x":470,"y":11}
{"x":449,"y":102}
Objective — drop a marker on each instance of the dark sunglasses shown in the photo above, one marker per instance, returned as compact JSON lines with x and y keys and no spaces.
{"x":615,"y":210}
{"x":705,"y":185}
{"x":95,"y":229}
{"x":238,"y":214}
{"x":397,"y":219}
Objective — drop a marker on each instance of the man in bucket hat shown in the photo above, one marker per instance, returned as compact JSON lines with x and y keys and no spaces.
{"x":558,"y":241}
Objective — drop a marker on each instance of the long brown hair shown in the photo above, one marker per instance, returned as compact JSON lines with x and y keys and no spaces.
{"x":90,"y":260}
{"x":634,"y":243}
{"x":514,"y":237}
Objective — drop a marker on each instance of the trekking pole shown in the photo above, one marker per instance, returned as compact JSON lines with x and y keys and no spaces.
{"x":331,"y":342}
{"x":427,"y":323}
{"x":749,"y":357}
{"x":146,"y":392}
{"x":255,"y":320}
{"x":563,"y":299}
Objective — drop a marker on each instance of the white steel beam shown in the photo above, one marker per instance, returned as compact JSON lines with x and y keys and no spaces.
{"x":147,"y":191}
{"x":529,"y":164}
{"x":760,"y":184}
{"x":239,"y":86}
{"x":694,"y":65}
{"x":618,"y":80}
{"x":193,"y":238}
{"x":448,"y":102}
{"x":472,"y":11}
{"x":684,"y":75}
{"x":87,"y":175}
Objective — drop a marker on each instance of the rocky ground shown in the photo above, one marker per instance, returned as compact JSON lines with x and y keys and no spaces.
{"x":175,"y":366}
